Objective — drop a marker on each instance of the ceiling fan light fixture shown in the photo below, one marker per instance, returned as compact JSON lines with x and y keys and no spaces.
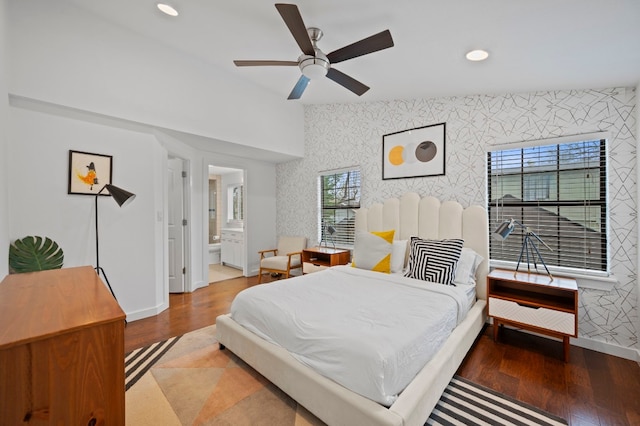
{"x":167,"y":9}
{"x":314,"y":67}
{"x":477,"y":55}
{"x":313,"y":63}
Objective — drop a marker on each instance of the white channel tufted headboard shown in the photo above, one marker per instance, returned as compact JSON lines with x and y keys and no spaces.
{"x":410,"y":215}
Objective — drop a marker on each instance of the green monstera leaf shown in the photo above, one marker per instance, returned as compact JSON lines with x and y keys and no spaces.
{"x":32,"y":254}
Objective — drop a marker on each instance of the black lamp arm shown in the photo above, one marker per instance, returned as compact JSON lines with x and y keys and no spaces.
{"x":101,"y":189}
{"x":531,"y":233}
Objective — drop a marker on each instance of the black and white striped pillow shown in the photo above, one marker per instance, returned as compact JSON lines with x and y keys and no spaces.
{"x":434,"y":260}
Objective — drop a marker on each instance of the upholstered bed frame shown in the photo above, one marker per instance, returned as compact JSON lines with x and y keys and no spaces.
{"x":409,"y":215}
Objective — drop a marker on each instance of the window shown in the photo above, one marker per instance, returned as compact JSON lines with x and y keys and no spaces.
{"x":339,"y":196}
{"x":558,"y":191}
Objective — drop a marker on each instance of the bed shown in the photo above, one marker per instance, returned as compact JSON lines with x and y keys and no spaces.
{"x":409,"y":215}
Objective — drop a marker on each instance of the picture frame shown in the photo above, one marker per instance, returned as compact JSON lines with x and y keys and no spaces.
{"x":89,"y":172}
{"x":417,"y":152}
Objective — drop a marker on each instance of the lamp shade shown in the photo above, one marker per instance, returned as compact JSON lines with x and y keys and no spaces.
{"x":331,"y":229}
{"x":121,"y":196}
{"x":504,"y":230}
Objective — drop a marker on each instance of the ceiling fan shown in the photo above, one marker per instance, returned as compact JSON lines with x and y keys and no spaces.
{"x":313,"y":62}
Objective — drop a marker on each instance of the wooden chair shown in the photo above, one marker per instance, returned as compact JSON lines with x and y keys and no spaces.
{"x":285,"y":258}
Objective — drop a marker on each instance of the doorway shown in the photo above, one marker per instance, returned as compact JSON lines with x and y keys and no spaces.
{"x":225,"y":221}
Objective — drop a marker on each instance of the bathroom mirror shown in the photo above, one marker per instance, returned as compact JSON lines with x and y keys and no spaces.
{"x":235,"y":203}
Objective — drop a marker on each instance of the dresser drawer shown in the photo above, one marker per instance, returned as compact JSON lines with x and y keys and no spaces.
{"x":558,"y":321}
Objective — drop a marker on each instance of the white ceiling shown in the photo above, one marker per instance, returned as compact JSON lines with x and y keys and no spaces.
{"x":534,"y":44}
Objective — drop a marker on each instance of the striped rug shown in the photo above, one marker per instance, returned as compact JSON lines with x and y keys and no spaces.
{"x":139,"y":361}
{"x":466,"y":403}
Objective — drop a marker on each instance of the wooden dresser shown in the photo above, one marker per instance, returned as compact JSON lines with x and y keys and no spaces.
{"x":61,"y":350}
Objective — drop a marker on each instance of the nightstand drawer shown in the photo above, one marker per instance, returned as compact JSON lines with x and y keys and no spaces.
{"x":558,"y":321}
{"x":308,"y":268}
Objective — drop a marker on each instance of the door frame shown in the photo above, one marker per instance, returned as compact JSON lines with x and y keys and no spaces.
{"x":244,"y":200}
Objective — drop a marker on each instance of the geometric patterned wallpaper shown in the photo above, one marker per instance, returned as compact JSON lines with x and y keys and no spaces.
{"x":343,"y":135}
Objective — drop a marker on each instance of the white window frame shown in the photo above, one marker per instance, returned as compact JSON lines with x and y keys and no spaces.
{"x":587,"y":275}
{"x":337,"y":240}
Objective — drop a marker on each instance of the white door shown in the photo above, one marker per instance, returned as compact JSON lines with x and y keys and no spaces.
{"x":176,"y":228}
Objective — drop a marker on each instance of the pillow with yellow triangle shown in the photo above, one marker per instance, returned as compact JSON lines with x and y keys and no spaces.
{"x":372,"y":251}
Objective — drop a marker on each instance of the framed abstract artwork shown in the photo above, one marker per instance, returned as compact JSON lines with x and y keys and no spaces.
{"x":414,"y":153}
{"x":88,"y":173}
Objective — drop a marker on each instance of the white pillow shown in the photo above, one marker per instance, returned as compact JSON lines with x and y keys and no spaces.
{"x":372,"y":251}
{"x":467,"y":267}
{"x":398,"y":255}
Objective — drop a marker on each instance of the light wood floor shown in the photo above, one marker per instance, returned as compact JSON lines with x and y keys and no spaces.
{"x":219,"y":272}
{"x":592,"y":389}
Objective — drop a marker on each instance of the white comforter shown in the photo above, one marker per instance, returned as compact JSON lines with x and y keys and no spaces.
{"x":368,"y":331}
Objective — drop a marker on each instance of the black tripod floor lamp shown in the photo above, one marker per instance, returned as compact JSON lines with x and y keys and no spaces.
{"x":123,"y":198}
{"x":529,"y":249}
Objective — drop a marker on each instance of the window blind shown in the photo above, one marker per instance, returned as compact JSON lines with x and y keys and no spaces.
{"x":339,"y":197}
{"x":558,"y":191}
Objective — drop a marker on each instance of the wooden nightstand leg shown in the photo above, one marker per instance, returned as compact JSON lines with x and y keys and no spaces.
{"x":565,"y":347}
{"x":496,"y":328}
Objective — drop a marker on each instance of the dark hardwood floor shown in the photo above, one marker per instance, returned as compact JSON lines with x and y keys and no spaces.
{"x":187,"y":312}
{"x":592,"y":389}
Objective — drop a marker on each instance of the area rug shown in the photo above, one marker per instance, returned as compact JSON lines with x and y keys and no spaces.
{"x":187,"y":380}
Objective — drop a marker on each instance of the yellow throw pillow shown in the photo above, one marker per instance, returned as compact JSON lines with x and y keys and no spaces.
{"x":372,"y":251}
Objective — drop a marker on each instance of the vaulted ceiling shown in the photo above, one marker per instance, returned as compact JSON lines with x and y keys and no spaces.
{"x":533,"y":44}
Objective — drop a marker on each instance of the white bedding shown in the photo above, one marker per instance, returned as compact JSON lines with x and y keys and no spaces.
{"x":368,"y":331}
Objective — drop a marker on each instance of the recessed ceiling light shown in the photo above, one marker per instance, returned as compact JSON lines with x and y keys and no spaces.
{"x":477,"y":55}
{"x":168,"y":9}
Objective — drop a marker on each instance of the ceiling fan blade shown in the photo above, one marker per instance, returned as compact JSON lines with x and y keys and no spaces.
{"x":298,"y":90}
{"x":365,"y":46}
{"x":265,"y":63}
{"x":291,"y":16}
{"x":349,"y":82}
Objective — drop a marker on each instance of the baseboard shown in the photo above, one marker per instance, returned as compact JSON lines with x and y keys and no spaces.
{"x":594,"y":345}
{"x":149,"y":312}
{"x":607,"y":348}
{"x":196,"y":285}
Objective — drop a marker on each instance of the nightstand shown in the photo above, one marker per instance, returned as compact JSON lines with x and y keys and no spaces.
{"x":318,"y":258}
{"x":534,"y":302}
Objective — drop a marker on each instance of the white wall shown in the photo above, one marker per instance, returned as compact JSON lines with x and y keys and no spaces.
{"x":133,"y":240}
{"x":39,"y":145}
{"x":63,"y":55}
{"x":78,"y":82}
{"x":339,"y":136}
{"x":4,"y":176}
